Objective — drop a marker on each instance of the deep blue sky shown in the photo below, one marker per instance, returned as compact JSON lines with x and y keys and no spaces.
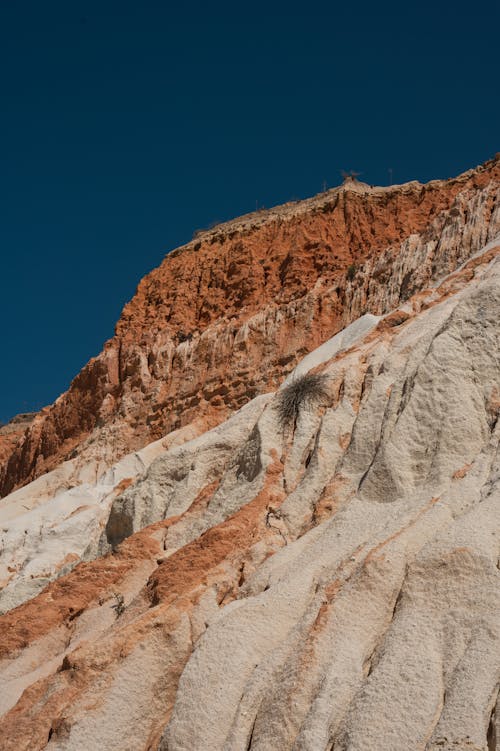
{"x":126,"y":126}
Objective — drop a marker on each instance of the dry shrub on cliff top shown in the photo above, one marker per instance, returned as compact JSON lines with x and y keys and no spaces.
{"x":305,"y":390}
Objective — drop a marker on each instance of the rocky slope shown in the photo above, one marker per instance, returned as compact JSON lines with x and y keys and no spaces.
{"x":320,"y":577}
{"x":225,"y":317}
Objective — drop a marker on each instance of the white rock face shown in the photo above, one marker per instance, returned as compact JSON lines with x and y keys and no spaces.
{"x":328,"y":584}
{"x":47,"y":529}
{"x":379,"y":628}
{"x":341,"y":341}
{"x":176,"y":478}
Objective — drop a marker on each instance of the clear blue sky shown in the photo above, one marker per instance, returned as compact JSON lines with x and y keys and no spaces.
{"x":126,"y":126}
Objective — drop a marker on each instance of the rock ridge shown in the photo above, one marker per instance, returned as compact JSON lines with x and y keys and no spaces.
{"x":225,"y":317}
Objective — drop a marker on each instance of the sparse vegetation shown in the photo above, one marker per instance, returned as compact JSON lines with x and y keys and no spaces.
{"x":327,"y":208}
{"x":351,"y":271}
{"x":119,"y":606}
{"x":308,"y":389}
{"x":181,"y":336}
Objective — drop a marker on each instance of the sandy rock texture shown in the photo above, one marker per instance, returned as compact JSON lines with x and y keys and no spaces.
{"x":11,"y":432}
{"x":321,"y":579}
{"x":224,"y":318}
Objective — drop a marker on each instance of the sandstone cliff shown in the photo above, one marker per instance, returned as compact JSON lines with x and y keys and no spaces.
{"x":325,"y":582}
{"x":272,"y":516}
{"x":226,"y":316}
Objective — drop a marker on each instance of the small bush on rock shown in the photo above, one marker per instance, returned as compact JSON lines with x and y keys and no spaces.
{"x":306,"y":390}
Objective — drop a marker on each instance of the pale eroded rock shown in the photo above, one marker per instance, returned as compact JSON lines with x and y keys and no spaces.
{"x":328,"y":585}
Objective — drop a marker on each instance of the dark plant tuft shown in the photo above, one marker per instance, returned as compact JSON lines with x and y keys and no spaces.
{"x":352,"y":270}
{"x":308,"y":389}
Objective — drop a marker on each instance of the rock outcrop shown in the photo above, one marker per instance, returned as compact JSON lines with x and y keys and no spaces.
{"x":228,"y":315}
{"x":319,"y":577}
{"x":11,"y":432}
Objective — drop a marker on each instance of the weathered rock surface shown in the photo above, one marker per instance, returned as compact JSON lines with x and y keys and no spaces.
{"x":11,"y":432}
{"x":326,"y":582}
{"x":227,"y":316}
